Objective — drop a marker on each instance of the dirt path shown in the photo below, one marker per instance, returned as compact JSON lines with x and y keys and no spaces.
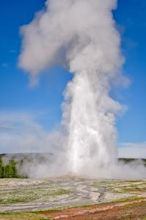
{"x":124,"y":210}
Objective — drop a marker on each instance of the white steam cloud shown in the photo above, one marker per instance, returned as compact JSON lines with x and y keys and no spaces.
{"x":81,"y":35}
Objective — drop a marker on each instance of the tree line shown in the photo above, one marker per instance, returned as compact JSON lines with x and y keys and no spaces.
{"x":8,"y":170}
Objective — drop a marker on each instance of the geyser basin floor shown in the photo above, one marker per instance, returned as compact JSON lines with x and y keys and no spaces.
{"x":33,"y":195}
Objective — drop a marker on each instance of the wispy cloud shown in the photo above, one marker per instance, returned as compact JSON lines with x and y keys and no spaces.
{"x":132,"y":150}
{"x":21,"y":132}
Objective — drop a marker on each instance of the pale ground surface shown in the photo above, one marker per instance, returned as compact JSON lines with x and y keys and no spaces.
{"x":33,"y":195}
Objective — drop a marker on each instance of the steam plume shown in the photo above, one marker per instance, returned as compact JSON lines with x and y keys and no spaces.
{"x":80,"y":35}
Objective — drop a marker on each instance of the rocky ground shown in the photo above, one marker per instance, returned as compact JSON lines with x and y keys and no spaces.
{"x":52,"y":198}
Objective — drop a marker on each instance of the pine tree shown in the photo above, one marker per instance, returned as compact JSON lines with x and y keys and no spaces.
{"x":12,"y":169}
{"x":7,"y":171}
{"x":1,"y":169}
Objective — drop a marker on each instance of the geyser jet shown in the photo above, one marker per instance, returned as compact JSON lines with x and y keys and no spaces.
{"x":81,"y":35}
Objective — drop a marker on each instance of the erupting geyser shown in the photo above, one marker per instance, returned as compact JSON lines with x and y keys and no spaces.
{"x":92,"y":135}
{"x":81,"y":35}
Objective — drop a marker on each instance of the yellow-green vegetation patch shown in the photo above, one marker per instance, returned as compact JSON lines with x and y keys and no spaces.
{"x":131,"y":187}
{"x":120,"y":186}
{"x":23,"y":196}
{"x":129,"y":199}
{"x":23,"y":216}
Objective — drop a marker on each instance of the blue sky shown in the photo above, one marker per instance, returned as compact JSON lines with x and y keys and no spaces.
{"x":44,"y":100}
